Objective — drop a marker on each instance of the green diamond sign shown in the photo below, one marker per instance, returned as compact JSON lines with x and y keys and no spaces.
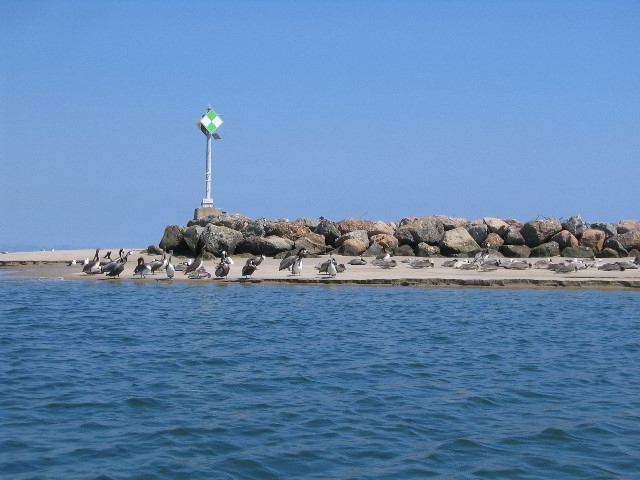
{"x":210,"y":122}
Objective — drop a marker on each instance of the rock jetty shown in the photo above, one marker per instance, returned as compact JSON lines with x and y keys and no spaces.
{"x":430,"y":236}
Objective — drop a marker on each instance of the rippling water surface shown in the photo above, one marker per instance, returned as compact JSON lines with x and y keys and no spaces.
{"x":125,"y":380}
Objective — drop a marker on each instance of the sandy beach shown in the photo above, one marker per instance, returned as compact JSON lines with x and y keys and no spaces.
{"x":53,"y":264}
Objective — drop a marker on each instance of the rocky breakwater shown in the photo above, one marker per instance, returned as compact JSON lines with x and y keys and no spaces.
{"x":435,"y":235}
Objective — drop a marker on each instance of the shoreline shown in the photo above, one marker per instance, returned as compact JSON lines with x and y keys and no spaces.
{"x":53,"y":265}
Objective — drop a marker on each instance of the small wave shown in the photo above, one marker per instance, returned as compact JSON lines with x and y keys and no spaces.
{"x":71,"y":405}
{"x":554,"y":435}
{"x":143,"y":402}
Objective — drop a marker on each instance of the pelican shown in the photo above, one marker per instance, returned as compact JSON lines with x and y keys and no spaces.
{"x":567,"y":268}
{"x":384,"y":255}
{"x":72,"y":262}
{"x":171,"y":271}
{"x":324,"y":266}
{"x":227,"y":259}
{"x":387,"y":263}
{"x":85,"y":262}
{"x":142,"y":269}
{"x":331,"y":268}
{"x":159,"y":264}
{"x":426,"y":263}
{"x":93,"y":266}
{"x":296,"y":268}
{"x":222,"y":270}
{"x":119,"y":267}
{"x":249,"y":268}
{"x":257,"y":260}
{"x":197,"y":263}
{"x":341,"y":268}
{"x":288,"y":262}
{"x":357,"y":261}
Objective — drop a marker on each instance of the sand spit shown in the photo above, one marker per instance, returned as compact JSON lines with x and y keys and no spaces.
{"x":54,"y":265}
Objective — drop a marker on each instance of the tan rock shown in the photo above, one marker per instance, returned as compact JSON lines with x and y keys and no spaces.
{"x":565,"y":239}
{"x":372,"y":228}
{"x":593,"y":238}
{"x":493,"y":240}
{"x":353,"y":247}
{"x":629,"y":240}
{"x":385,"y":240}
{"x":496,"y":225}
{"x":289,"y":230}
{"x":314,"y":243}
{"x":626,"y":226}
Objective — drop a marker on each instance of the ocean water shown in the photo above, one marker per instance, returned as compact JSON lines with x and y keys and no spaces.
{"x":122,"y":380}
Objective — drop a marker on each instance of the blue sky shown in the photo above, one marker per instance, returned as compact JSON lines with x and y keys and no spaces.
{"x":341,"y":109}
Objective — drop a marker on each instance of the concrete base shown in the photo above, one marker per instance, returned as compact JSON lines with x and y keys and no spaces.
{"x":205,"y":212}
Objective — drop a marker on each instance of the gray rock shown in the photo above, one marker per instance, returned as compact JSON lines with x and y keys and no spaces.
{"x":513,"y":236}
{"x":629,"y":240}
{"x":172,"y":237}
{"x":215,"y":238}
{"x":314,"y":243}
{"x":515,"y":251}
{"x":458,"y":241}
{"x":537,"y":232}
{"x":549,"y":249}
{"x":634,"y":253}
{"x":191,"y":236}
{"x":578,"y":252}
{"x":329,"y":230}
{"x":361,"y":235}
{"x":609,"y":228}
{"x":373,"y":251}
{"x":234,"y":221}
{"x":153,"y":250}
{"x":608,"y":253}
{"x":253,"y":229}
{"x":428,"y":229}
{"x":425,"y":250}
{"x":310,"y":222}
{"x":478,"y":232}
{"x":496,"y":225}
{"x":264,"y":245}
{"x":612,"y":243}
{"x":404,"y":251}
{"x":574,"y":225}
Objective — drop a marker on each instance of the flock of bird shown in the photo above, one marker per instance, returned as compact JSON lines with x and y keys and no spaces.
{"x":293,"y":262}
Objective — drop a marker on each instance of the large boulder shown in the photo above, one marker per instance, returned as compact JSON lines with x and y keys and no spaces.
{"x":215,"y":238}
{"x":404,"y":251}
{"x":626,"y":226}
{"x":352,"y":246}
{"x":372,"y":228}
{"x":355,"y":234}
{"x":578,"y":252}
{"x":629,"y":240}
{"x":458,"y":241}
{"x":329,"y":230}
{"x":608,"y":253}
{"x":192,"y":236}
{"x":495,"y":225}
{"x":493,"y":240}
{"x":449,"y":223}
{"x":593,"y":238}
{"x":384,"y":240}
{"x":515,"y":251}
{"x":428,"y":229}
{"x":478,"y":232}
{"x":234,"y":221}
{"x":614,"y":244}
{"x":574,"y":225}
{"x":425,"y":250}
{"x":374,"y":250}
{"x":537,"y":232}
{"x":172,"y":237}
{"x":608,"y":228}
{"x":290,"y":230}
{"x":271,"y":245}
{"x":513,"y":236}
{"x":565,"y":239}
{"x":314,"y":243}
{"x":549,"y":249}
{"x":310,"y":222}
{"x":255,"y":228}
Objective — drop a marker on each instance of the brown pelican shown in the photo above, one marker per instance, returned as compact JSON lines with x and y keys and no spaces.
{"x":384,"y":255}
{"x":119,"y":267}
{"x":249,"y":268}
{"x":222,"y":270}
{"x":567,"y":268}
{"x":226,"y":258}
{"x":141,"y":269}
{"x":426,"y":263}
{"x":341,"y":268}
{"x":196,"y":264}
{"x":450,"y":263}
{"x":171,"y":271}
{"x":93,"y":266}
{"x":257,"y":260}
{"x":296,"y":268}
{"x":331,"y":268}
{"x":387,"y":263}
{"x":357,"y":261}
{"x":288,"y":262}
{"x":159,"y":264}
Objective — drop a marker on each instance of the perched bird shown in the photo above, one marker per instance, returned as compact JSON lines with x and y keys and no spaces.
{"x":119,"y":268}
{"x":384,"y":255}
{"x":341,"y":268}
{"x":257,"y":260}
{"x":159,"y":264}
{"x":226,"y":259}
{"x":197,"y":263}
{"x":566,"y":269}
{"x":425,"y":263}
{"x":488,"y":267}
{"x":200,"y":273}
{"x":324,"y":266}
{"x":93,"y":266}
{"x":610,"y":267}
{"x":222,"y":270}
{"x":85,"y":262}
{"x":249,"y":268}
{"x":450,"y":263}
{"x":141,"y":269}
{"x":387,"y":263}
{"x":72,"y":262}
{"x":171,"y":270}
{"x":288,"y":262}
{"x":469,"y":266}
{"x":331,"y":268}
{"x":296,"y":268}
{"x":357,"y":261}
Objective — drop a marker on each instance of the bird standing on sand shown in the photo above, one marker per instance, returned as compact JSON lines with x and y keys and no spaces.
{"x":226,"y":258}
{"x":384,"y":255}
{"x":357,"y":261}
{"x":196,"y":264}
{"x":222,"y":270}
{"x":171,"y":270}
{"x":119,"y":267}
{"x":141,"y":269}
{"x":257,"y":260}
{"x":331,"y":268}
{"x":249,"y":268}
{"x":93,"y":266}
{"x":159,"y":264}
{"x":288,"y":262}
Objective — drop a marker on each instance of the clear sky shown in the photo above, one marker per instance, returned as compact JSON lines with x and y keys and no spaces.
{"x":381,"y":109}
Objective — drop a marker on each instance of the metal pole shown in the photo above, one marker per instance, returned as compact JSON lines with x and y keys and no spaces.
{"x":208,"y":201}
